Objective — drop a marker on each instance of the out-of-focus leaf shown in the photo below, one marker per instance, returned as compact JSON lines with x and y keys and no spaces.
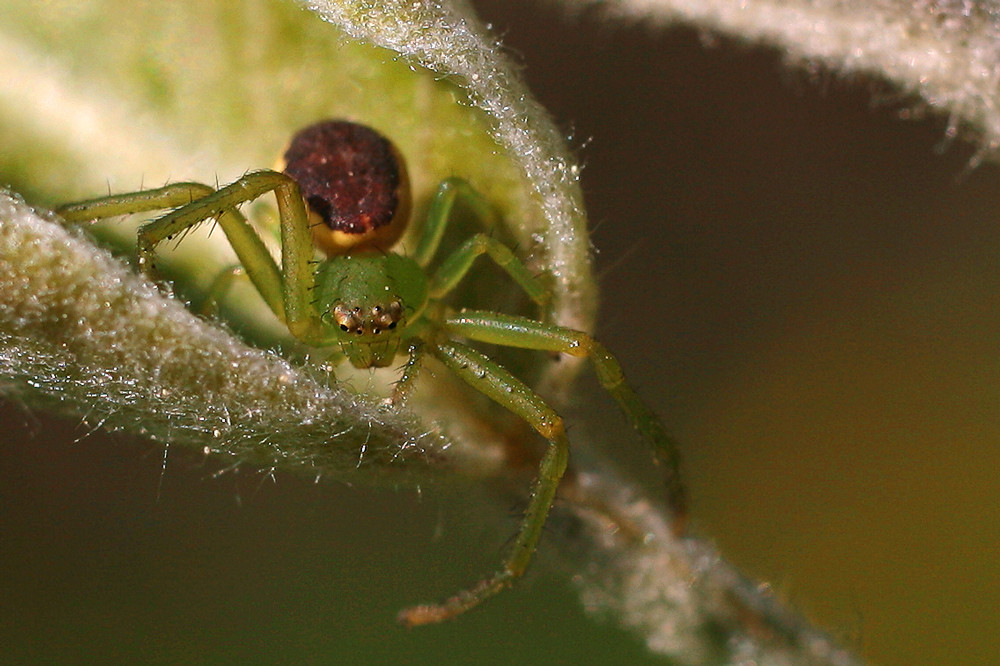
{"x":943,"y":53}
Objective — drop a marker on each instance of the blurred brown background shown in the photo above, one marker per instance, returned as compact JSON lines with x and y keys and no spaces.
{"x":809,"y":285}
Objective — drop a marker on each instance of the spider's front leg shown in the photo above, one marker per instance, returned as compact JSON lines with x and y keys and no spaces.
{"x":498,"y":384}
{"x":116,"y":205}
{"x":404,"y":385}
{"x":285,"y":290}
{"x":193,"y":203}
{"x":514,"y":331}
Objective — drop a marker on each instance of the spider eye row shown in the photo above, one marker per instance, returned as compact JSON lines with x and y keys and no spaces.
{"x":354,"y":319}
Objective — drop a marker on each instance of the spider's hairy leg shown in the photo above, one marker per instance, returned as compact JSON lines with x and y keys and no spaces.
{"x":501,"y":386}
{"x":115,"y":205}
{"x":455,"y":267}
{"x":193,"y":203}
{"x":404,"y":385}
{"x":285,"y":291}
{"x":439,"y":214}
{"x":514,"y":331}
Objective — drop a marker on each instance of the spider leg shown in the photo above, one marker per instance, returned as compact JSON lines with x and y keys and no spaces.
{"x":404,"y":384}
{"x":285,"y":290}
{"x":455,"y":267}
{"x":514,"y":331}
{"x":171,"y":196}
{"x":501,"y":386}
{"x":189,"y":201}
{"x":220,"y":286}
{"x":439,"y":214}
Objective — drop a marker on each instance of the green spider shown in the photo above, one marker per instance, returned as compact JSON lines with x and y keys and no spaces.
{"x":345,"y":191}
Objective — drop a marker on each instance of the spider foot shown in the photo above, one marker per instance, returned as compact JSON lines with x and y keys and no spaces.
{"x":465,"y":600}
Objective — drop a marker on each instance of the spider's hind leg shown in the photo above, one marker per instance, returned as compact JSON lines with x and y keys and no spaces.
{"x":498,"y":384}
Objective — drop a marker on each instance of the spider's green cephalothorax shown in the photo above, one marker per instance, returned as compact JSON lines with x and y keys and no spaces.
{"x":343,"y":191}
{"x":367,"y":301}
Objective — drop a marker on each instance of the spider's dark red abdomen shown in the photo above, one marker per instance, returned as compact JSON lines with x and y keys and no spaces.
{"x":354,"y":184}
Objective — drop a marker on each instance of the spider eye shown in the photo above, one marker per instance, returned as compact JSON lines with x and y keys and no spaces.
{"x":374,"y":320}
{"x":348,"y":318}
{"x":386,"y":318}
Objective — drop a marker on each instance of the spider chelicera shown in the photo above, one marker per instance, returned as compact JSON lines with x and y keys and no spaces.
{"x":345,"y":191}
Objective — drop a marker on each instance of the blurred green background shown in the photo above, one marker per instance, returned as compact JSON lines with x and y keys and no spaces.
{"x":801,"y":282}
